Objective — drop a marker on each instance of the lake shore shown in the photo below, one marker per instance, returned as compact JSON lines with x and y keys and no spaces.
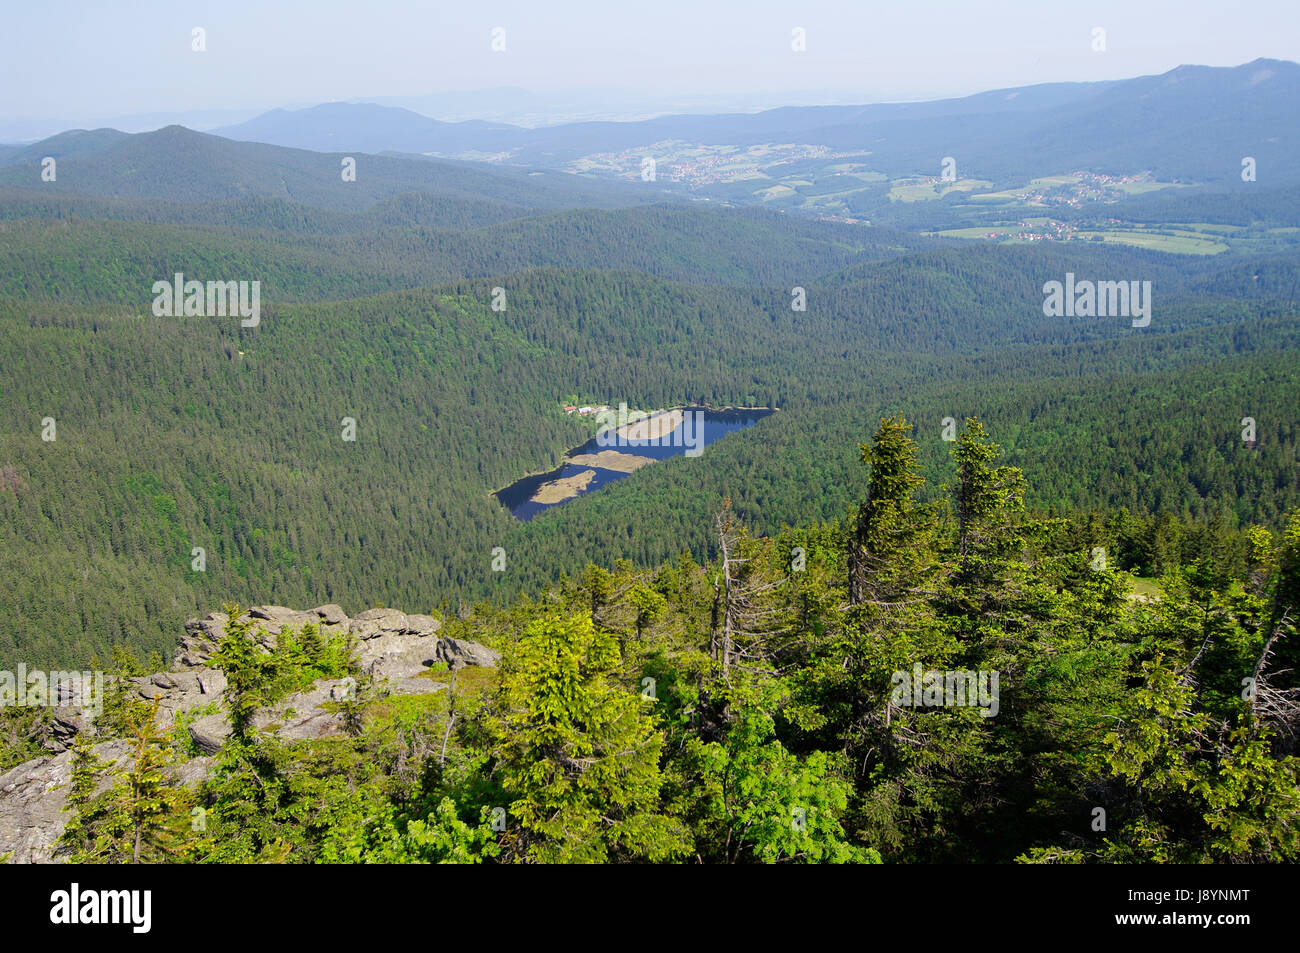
{"x":545,"y":488}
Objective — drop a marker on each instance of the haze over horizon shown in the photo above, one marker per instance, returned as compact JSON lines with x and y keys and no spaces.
{"x":587,"y":62}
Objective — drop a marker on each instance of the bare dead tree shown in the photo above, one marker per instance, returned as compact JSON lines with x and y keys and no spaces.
{"x":744,"y":618}
{"x":1277,"y":706}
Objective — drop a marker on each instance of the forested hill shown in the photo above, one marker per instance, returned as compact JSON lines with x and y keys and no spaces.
{"x":942,"y":680}
{"x":451,"y":312}
{"x":1190,"y":124}
{"x":179,"y":165}
{"x":63,"y":257}
{"x":907,"y":483}
{"x":365,"y":127}
{"x":177,"y":433}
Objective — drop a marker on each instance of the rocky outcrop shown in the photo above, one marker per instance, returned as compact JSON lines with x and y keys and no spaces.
{"x":202,"y":635}
{"x":210,"y":732}
{"x":394,"y":648}
{"x":457,"y":654}
{"x":182,"y":692}
{"x":33,"y":795}
{"x":374,"y":623}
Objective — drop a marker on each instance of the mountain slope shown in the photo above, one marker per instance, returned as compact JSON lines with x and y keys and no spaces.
{"x":176,"y":433}
{"x":362,"y":127}
{"x":1192,"y":123}
{"x":179,"y":165}
{"x":389,"y":129}
{"x":404,"y":244}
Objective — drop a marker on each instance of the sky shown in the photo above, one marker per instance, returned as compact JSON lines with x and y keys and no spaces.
{"x":84,"y":59}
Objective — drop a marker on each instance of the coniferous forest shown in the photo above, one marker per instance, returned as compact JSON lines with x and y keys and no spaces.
{"x":749,"y":709}
{"x":991,"y":583}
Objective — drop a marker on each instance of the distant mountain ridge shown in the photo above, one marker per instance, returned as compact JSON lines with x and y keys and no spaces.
{"x":1164,"y":122}
{"x":332,"y":125}
{"x":1191,"y":124}
{"x":180,"y":165}
{"x":359,"y":127}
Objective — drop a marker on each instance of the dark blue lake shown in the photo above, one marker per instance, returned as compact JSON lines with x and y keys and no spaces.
{"x":700,"y":428}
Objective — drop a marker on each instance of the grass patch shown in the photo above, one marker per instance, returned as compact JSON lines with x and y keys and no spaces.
{"x":918,"y":189}
{"x":472,"y":680}
{"x":1174,"y":244}
{"x":1147,"y":586}
{"x":404,"y":708}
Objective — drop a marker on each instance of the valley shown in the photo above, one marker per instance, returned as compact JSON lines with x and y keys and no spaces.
{"x":965,"y":500}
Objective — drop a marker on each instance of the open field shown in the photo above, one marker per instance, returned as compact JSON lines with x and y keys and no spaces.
{"x":1178,"y":244}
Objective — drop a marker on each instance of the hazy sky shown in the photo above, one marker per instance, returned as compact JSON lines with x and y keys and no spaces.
{"x":87,"y":58}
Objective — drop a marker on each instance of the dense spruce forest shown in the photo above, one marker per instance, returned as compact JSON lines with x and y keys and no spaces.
{"x":176,"y":433}
{"x":749,"y":709}
{"x":1002,"y":564}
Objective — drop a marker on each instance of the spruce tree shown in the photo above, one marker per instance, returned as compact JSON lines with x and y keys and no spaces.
{"x":576,"y":752}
